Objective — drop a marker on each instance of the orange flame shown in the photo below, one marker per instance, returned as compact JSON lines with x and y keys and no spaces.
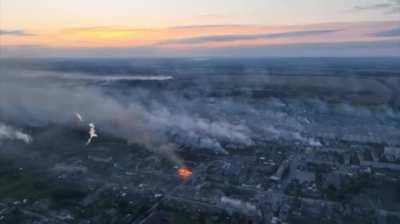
{"x":184,"y":173}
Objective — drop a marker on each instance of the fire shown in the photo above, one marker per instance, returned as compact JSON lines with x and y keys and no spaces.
{"x":184,"y":173}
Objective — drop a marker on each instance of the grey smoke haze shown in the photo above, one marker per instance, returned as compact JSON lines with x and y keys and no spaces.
{"x":40,"y":104}
{"x":139,"y":117}
{"x":40,"y":100}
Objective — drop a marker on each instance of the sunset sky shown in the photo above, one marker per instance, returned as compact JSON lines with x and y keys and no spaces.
{"x":158,"y":28}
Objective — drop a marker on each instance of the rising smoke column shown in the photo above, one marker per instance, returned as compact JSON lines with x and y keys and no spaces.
{"x":79,"y":117}
{"x":92,"y":133}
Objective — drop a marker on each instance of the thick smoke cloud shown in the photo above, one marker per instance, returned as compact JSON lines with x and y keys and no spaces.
{"x":165,"y":123}
{"x":40,"y":101}
{"x":51,"y":103}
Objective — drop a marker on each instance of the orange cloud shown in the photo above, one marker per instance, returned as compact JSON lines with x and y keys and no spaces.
{"x":112,"y":37}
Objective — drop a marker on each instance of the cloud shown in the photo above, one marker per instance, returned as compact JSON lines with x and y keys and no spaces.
{"x":208,"y":26}
{"x":106,"y":29}
{"x":388,"y":7}
{"x":395,"y":32}
{"x":147,"y":41}
{"x":373,"y":7}
{"x":18,"y":33}
{"x":221,"y":40}
{"x":93,"y":34}
{"x":234,"y":37}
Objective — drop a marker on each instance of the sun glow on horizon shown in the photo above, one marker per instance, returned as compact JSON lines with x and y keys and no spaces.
{"x":157,"y":25}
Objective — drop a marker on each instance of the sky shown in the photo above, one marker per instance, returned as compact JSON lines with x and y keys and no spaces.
{"x":175,"y":28}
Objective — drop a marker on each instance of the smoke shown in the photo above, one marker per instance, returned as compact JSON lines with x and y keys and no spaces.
{"x":50,"y":103}
{"x":41,"y":101}
{"x":163,"y":121}
{"x":92,"y":133}
{"x":7,"y":132}
{"x":244,"y":207}
{"x":79,"y":117}
{"x":85,"y":77}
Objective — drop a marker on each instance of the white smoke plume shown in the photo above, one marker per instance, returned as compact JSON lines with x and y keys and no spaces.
{"x":7,"y":132}
{"x":92,"y":133}
{"x":245,"y":207}
{"x":79,"y":117}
